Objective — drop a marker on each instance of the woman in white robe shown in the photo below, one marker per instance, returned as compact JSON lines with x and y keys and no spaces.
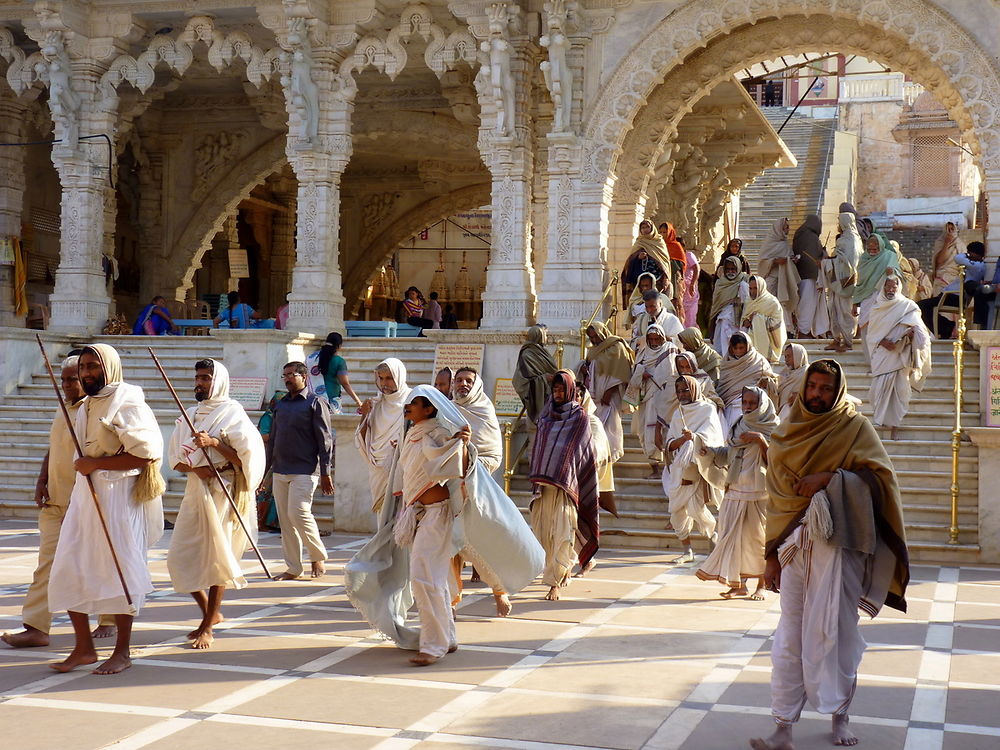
{"x":764,"y":320}
{"x":775,"y":264}
{"x":899,"y":346}
{"x":654,"y":370}
{"x":743,"y":367}
{"x":739,"y":552}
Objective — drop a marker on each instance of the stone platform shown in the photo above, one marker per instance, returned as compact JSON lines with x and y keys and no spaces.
{"x":639,"y":655}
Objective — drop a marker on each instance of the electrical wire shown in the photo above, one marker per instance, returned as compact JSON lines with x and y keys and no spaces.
{"x":50,"y":141}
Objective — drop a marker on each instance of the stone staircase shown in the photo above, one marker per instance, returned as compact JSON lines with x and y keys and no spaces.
{"x":921,"y":457}
{"x":26,"y":414}
{"x":787,"y":192}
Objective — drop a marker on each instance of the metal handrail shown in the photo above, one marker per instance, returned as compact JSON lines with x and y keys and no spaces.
{"x":958,"y":348}
{"x":510,"y":466}
{"x":585,"y":324}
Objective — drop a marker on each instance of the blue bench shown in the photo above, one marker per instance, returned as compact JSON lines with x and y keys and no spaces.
{"x":405,"y":330}
{"x":183,"y":325}
{"x":371,"y":328}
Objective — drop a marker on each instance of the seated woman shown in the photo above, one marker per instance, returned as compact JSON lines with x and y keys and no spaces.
{"x":240,"y":315}
{"x":413,"y":304}
{"x":649,"y":255}
{"x":154,"y":320}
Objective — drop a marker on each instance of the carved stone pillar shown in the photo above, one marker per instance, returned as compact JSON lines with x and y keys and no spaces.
{"x":509,"y":299}
{"x":992,"y":187}
{"x":283,"y":245}
{"x":574,"y":270}
{"x":12,"y":115}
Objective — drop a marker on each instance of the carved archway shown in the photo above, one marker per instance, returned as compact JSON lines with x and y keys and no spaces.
{"x":184,"y":258}
{"x":911,"y":35}
{"x":381,"y":248}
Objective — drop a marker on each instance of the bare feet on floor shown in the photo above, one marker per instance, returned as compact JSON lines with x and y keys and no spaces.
{"x":197,"y":631}
{"x":423,"y":660}
{"x":104,"y":631}
{"x":28,"y":638}
{"x":203,"y":639}
{"x":780,"y":740}
{"x":734,"y":592}
{"x":503,"y":604}
{"x":318,"y":569}
{"x":842,"y":734}
{"x":586,"y":569}
{"x":553,"y":595}
{"x":286,"y":576}
{"x":687,"y":557}
{"x":74,"y":660}
{"x":117,"y":663}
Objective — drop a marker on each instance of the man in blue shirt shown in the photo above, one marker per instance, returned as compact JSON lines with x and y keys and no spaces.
{"x":300,"y":446}
{"x":975,"y":273}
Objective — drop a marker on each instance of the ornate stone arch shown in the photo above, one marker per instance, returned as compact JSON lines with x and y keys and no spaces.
{"x":910,"y":34}
{"x":178,"y":54}
{"x":381,"y":248}
{"x":184,"y":258}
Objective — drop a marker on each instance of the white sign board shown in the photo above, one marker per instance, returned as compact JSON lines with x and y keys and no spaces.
{"x":248,"y":392}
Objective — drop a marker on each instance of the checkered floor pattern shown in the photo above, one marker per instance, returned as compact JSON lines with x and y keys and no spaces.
{"x":638,"y":655}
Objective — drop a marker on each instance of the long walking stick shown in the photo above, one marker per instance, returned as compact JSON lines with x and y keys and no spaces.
{"x":215,"y":470}
{"x":90,"y":482}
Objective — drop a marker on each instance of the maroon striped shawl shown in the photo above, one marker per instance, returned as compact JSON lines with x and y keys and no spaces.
{"x":563,"y":456}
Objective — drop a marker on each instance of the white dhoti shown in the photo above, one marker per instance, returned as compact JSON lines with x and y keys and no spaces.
{"x":378,"y":483}
{"x":842,"y":320}
{"x":890,"y":395}
{"x":553,"y":520}
{"x":725,"y":326}
{"x":739,"y":551}
{"x":431,"y":579}
{"x":208,"y":541}
{"x":611,"y":417}
{"x":688,"y":506}
{"x":83,"y":576}
{"x":806,"y":313}
{"x":818,"y":644}
{"x":648,"y":424}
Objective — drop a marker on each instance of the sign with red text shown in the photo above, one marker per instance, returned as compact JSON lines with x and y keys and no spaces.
{"x":992,"y":385}
{"x":248,"y":392}
{"x":505,"y":398}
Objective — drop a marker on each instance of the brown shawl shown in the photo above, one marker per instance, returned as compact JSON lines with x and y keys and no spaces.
{"x":808,"y":443}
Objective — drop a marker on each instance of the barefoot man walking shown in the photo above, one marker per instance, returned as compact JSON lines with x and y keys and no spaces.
{"x":122,"y":446}
{"x":835,"y":543}
{"x":208,"y":542}
{"x":55,"y":483}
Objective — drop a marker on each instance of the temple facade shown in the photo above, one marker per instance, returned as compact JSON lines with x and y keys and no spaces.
{"x":289,"y":148}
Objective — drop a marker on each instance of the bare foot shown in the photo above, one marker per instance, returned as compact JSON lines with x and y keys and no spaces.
{"x":780,"y":740}
{"x":475,"y":578}
{"x":832,"y":347}
{"x":655,"y":472}
{"x":423,"y":660}
{"x":503,"y":604}
{"x":203,"y":639}
{"x":117,"y":663}
{"x":734,"y":592}
{"x":197,"y":631}
{"x":894,"y":433}
{"x":687,"y":557}
{"x":28,"y":638}
{"x":318,"y":569}
{"x":286,"y":576}
{"x":104,"y":631}
{"x":74,"y":660}
{"x":586,"y":569}
{"x":553,"y":595}
{"x":757,"y":596}
{"x":842,"y":734}
{"x":453,"y":648}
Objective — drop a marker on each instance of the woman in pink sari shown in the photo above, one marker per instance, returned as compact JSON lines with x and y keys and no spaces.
{"x":691,"y":296}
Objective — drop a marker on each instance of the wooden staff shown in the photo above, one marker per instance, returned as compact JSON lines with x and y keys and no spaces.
{"x":215,"y":470}
{"x":90,"y":482}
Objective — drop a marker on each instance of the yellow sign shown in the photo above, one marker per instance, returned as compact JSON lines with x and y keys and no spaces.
{"x":458,"y":355}
{"x":505,"y":398}
{"x":239,"y":265}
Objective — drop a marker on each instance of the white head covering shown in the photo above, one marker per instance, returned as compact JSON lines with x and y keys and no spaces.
{"x":385,"y":422}
{"x":220,"y":388}
{"x":111,"y":362}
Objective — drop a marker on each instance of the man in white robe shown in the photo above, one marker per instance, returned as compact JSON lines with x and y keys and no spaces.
{"x":122,"y":447}
{"x":52,"y":493}
{"x":381,"y":425}
{"x":835,"y":543}
{"x":655,"y":314}
{"x":208,"y":540}
{"x":693,"y":481}
{"x":899,"y":347}
{"x":841,"y":287}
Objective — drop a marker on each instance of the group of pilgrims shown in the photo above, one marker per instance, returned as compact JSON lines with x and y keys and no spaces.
{"x":777,"y":469}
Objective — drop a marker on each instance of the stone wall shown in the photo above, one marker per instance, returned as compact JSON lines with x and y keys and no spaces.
{"x":880,"y":158}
